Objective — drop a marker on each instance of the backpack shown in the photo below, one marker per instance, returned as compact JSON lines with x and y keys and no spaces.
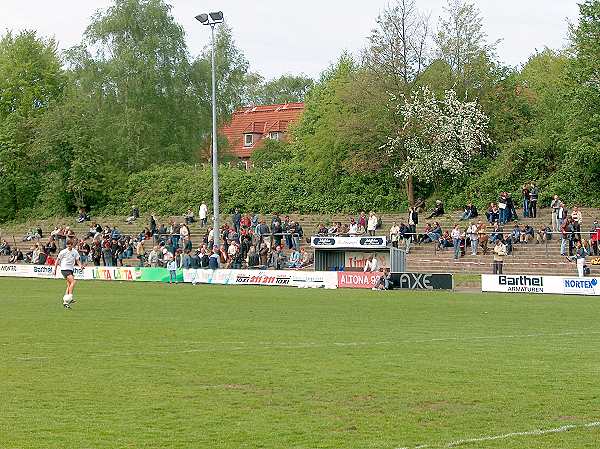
{"x":379,"y":223}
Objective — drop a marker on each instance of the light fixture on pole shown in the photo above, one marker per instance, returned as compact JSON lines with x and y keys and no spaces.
{"x":213,"y":19}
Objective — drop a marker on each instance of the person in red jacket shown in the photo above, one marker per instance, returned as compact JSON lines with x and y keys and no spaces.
{"x":595,"y":237}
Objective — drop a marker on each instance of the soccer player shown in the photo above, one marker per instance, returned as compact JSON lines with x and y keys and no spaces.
{"x":68,"y":258}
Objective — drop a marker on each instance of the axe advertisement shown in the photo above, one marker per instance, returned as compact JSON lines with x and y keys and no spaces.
{"x":422,"y":281}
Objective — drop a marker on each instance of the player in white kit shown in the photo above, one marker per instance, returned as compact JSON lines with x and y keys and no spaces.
{"x":68,"y":258}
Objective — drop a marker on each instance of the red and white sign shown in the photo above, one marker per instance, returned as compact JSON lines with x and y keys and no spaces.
{"x":359,"y":259}
{"x":358,"y":280}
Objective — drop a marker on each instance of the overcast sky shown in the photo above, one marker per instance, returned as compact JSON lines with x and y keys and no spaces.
{"x":305,"y":36}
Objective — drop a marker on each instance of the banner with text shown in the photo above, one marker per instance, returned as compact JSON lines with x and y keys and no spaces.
{"x":300,"y":279}
{"x":588,"y":286}
{"x":364,"y":242}
{"x":358,"y":279}
{"x":356,"y":259}
{"x":91,"y":273}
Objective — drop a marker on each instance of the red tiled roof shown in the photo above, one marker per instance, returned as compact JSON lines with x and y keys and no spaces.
{"x":259,"y":121}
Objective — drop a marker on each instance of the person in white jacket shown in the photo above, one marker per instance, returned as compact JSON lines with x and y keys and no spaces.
{"x":203,"y":214}
{"x":372,"y":223}
{"x":372,"y":264}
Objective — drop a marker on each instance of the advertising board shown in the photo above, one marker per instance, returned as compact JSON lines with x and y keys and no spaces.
{"x":357,"y":280}
{"x":559,"y":285}
{"x":286,"y":278}
{"x":362,"y":242}
{"x":423,"y":281}
{"x":356,"y":259}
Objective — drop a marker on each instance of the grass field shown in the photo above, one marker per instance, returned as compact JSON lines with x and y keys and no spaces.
{"x":153,"y":366}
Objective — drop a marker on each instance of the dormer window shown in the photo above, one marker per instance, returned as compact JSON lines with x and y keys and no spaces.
{"x":248,"y":140}
{"x":274,"y":135}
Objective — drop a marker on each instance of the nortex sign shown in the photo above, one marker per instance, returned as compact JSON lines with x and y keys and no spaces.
{"x":540,"y":284}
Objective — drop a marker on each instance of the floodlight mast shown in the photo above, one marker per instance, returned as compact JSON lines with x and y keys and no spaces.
{"x":212,"y":19}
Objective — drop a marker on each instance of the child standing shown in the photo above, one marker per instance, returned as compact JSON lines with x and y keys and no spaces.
{"x":172,"y":267}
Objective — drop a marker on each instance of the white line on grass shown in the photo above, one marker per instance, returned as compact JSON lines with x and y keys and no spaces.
{"x":310,"y":345}
{"x":529,"y":433}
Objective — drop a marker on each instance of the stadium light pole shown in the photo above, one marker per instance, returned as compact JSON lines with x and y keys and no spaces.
{"x":212,"y":19}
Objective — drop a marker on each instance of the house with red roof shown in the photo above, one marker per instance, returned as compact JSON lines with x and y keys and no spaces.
{"x":250,"y":126}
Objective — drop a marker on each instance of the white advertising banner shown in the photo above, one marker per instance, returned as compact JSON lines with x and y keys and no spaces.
{"x":37,"y":271}
{"x":290,"y":278}
{"x":589,"y":286}
{"x":363,"y":242}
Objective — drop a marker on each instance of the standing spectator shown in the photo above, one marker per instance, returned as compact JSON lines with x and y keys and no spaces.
{"x":84,"y":249}
{"x":499,"y":254}
{"x":394,"y":234}
{"x":473,"y":233}
{"x":579,"y":258}
{"x":263,"y":252}
{"x":456,"y":237}
{"x":564,"y":237}
{"x":152,"y":224}
{"x":413,"y":221}
{"x":186,"y":261}
{"x":140,"y":252}
{"x":372,"y":223}
{"x":562,"y":214}
{"x":172,"y":267}
{"x":577,"y":218}
{"x":353,"y":228}
{"x":175,"y":228}
{"x":525,"y":193}
{"x":503,"y":209}
{"x":555,"y":205}
{"x":107,"y":253}
{"x":237,"y":220}
{"x":510,"y":207}
{"x":362,"y":222}
{"x":595,"y":238}
{"x":203,"y":214}
{"x":277,"y":232}
{"x":533,"y":199}
{"x":297,"y":234}
{"x":287,"y":230}
{"x":184,"y":233}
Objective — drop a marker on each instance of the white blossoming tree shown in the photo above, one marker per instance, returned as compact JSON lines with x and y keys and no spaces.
{"x":438,"y":137}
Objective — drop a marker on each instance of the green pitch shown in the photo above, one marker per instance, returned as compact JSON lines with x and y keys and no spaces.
{"x":154,"y":366}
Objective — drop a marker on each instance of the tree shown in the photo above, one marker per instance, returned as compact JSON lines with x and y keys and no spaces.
{"x":317,"y":135}
{"x":398,"y":49}
{"x":585,"y":69}
{"x":439,"y":137}
{"x":134,"y":69}
{"x":270,"y":152}
{"x":233,"y":77}
{"x":31,"y":81}
{"x":462,"y":43}
{"x":285,"y":89}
